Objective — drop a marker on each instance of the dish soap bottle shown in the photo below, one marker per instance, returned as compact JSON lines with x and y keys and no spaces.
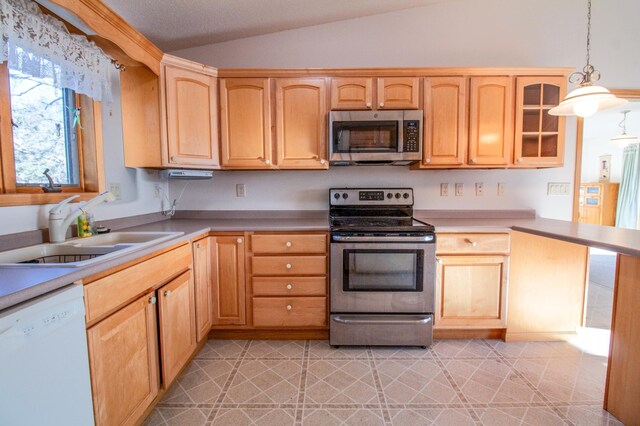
{"x":85,"y":220}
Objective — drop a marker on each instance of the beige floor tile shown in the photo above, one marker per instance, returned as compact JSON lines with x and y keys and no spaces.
{"x":222,"y":349}
{"x":401,"y":352}
{"x":534,"y":416}
{"x":462,"y":349}
{"x":275,"y":349}
{"x":342,"y":416}
{"x":184,"y":416}
{"x":589,"y":415}
{"x":265,"y":381}
{"x":255,"y":416}
{"x":322,"y":349}
{"x":340,"y":382}
{"x":430,"y":416}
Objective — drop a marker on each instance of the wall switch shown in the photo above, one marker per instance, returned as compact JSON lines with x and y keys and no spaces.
{"x":444,"y":189}
{"x":558,"y":188}
{"x":459,"y":189}
{"x":479,"y":188}
{"x":157,"y":191}
{"x":501,"y":189}
{"x":241,"y":190}
{"x":114,"y":188}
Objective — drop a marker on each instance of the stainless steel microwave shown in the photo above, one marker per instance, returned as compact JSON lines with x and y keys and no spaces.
{"x":375,"y":137}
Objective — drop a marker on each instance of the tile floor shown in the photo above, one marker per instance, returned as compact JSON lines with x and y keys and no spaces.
{"x":599,"y":306}
{"x":454,"y":382}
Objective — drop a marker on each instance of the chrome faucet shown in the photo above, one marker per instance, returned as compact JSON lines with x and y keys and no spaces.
{"x":58,"y":224}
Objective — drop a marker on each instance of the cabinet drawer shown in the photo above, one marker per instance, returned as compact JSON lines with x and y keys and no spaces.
{"x":289,"y":243}
{"x":289,"y":265}
{"x":472,"y":243}
{"x":108,"y":293}
{"x":290,"y":286}
{"x":289,"y":311}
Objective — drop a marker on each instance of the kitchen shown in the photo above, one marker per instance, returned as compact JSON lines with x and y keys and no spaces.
{"x":315,"y":47}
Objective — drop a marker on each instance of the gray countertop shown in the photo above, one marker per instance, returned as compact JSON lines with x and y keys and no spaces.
{"x":21,"y":284}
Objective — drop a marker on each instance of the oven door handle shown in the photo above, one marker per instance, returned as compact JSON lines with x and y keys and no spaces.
{"x":383,"y":239}
{"x":417,"y":319}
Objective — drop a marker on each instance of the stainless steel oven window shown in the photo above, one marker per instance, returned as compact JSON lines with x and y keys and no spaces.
{"x":365,"y":136}
{"x":382,"y":270}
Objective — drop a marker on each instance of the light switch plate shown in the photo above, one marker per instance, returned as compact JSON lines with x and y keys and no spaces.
{"x":501,"y":189}
{"x":459,"y":189}
{"x":114,"y":188}
{"x":479,"y":189}
{"x":558,"y":188}
{"x":444,"y":189}
{"x":241,"y":190}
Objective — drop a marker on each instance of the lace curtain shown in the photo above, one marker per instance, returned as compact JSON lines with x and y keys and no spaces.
{"x":40,"y":45}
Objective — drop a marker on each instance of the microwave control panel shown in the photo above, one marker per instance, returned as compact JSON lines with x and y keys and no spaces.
{"x":411,"y":136}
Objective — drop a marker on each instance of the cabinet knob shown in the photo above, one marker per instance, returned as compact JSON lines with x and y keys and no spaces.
{"x":427,"y":160}
{"x":368,"y":104}
{"x":289,"y":266}
{"x":198,"y":245}
{"x":289,"y":307}
{"x":288,"y":244}
{"x":267,"y":162}
{"x":519,"y":160}
{"x":439,"y":260}
{"x":239,"y":240}
{"x":167,"y":293}
{"x":322,"y":161}
{"x":173,"y":159}
{"x":289,"y":286}
{"x":152,"y":300}
{"x":381,"y":104}
{"x":472,"y":160}
{"x":473,"y":243}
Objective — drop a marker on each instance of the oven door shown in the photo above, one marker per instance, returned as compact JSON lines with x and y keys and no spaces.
{"x":382,"y":277}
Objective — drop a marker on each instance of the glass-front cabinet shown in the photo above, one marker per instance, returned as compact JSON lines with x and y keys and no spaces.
{"x":539,"y":137}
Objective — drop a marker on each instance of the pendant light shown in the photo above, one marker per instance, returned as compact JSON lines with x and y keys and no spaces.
{"x":587,"y":99}
{"x":624,"y":139}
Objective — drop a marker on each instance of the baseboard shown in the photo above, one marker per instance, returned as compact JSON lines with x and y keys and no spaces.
{"x":455,"y":333}
{"x":539,"y":337}
{"x":321,"y":334}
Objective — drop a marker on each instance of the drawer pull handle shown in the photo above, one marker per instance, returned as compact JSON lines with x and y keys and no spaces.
{"x":289,"y":266}
{"x":289,"y":286}
{"x":368,"y":104}
{"x":288,"y":244}
{"x":381,"y":104}
{"x":152,"y":300}
{"x":289,"y":307}
{"x":167,"y":293}
{"x":239,"y":240}
{"x":473,"y":243}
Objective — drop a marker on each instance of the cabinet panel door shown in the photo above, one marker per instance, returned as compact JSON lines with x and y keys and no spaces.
{"x":228,"y":275}
{"x":245,"y":123}
{"x":301,"y":122}
{"x":398,"y":93}
{"x":352,"y":93}
{"x":491,"y":120}
{"x":192,"y":118}
{"x":471,"y":291}
{"x":445,"y":121}
{"x":177,"y":325}
{"x":202,"y":283}
{"x":123,"y":355}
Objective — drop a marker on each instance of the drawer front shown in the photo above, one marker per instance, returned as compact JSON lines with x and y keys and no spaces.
{"x":289,"y":265}
{"x":289,"y":286}
{"x":472,"y":243}
{"x":106,"y":294}
{"x":289,"y":243}
{"x":289,"y":311}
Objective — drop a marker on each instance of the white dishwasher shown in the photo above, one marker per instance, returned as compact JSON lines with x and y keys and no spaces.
{"x":44,"y":366}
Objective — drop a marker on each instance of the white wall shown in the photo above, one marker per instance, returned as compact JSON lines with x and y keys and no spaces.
{"x":454,"y":33}
{"x":137,"y":185}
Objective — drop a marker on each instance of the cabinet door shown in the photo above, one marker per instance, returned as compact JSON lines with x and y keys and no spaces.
{"x":245,"y":126}
{"x":227,"y":272}
{"x":192,"y":118}
{"x":352,"y":93}
{"x":491,"y":121}
{"x":177,"y":325}
{"x":301,"y":123}
{"x":539,"y":137}
{"x":471,"y":291}
{"x":123,"y":355}
{"x":445,"y":121}
{"x":398,"y":93}
{"x":202,"y":283}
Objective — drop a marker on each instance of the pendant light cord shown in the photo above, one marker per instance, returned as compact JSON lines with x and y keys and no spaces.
{"x":588,"y":33}
{"x":589,"y":74}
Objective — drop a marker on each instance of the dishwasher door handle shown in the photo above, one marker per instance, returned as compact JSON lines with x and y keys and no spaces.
{"x":413,"y":319}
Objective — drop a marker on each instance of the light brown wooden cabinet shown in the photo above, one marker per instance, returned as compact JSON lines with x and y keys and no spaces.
{"x":301,"y":123}
{"x":357,"y":93}
{"x":598,"y":203}
{"x":539,"y":137}
{"x":490,"y":120}
{"x":228,"y":279}
{"x":123,"y":356}
{"x":203,"y":287}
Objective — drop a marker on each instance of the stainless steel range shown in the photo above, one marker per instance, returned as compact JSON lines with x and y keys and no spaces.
{"x":382,"y":269}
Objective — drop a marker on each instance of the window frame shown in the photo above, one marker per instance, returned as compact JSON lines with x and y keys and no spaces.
{"x":90,"y":154}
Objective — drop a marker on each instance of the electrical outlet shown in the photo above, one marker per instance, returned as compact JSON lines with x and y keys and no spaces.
{"x":501,"y":189}
{"x":241,"y":190}
{"x":459,"y":189}
{"x":114,"y":188}
{"x":157,"y":191}
{"x":479,"y":188}
{"x":444,"y":189}
{"x":558,"y":188}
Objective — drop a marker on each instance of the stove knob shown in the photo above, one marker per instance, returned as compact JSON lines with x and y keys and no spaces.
{"x":336,"y":196}
{"x":397,"y":195}
{"x":345,"y":195}
{"x":389,"y":195}
{"x":405,"y":195}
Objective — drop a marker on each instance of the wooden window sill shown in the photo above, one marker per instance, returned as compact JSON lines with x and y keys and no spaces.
{"x":29,"y":199}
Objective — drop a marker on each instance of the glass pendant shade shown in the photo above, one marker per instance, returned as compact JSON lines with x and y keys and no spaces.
{"x":586,"y":101}
{"x":624,"y":139}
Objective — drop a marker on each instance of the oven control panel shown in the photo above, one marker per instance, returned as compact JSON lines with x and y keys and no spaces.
{"x":371,"y":196}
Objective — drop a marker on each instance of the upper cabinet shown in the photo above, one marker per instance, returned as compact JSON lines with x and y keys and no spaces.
{"x":190,"y":103}
{"x":245,"y":123}
{"x":355,"y":93}
{"x":539,"y":137}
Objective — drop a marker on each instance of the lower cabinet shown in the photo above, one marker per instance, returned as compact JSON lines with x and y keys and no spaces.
{"x":227,"y":272}
{"x":203,"y":287}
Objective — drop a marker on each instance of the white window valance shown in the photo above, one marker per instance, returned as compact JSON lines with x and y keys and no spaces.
{"x":41,"y":46}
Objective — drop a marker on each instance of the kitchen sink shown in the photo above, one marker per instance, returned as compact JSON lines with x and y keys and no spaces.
{"x":82,"y":251}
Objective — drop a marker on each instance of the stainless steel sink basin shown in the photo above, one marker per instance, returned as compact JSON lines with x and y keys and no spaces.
{"x":83,"y":251}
